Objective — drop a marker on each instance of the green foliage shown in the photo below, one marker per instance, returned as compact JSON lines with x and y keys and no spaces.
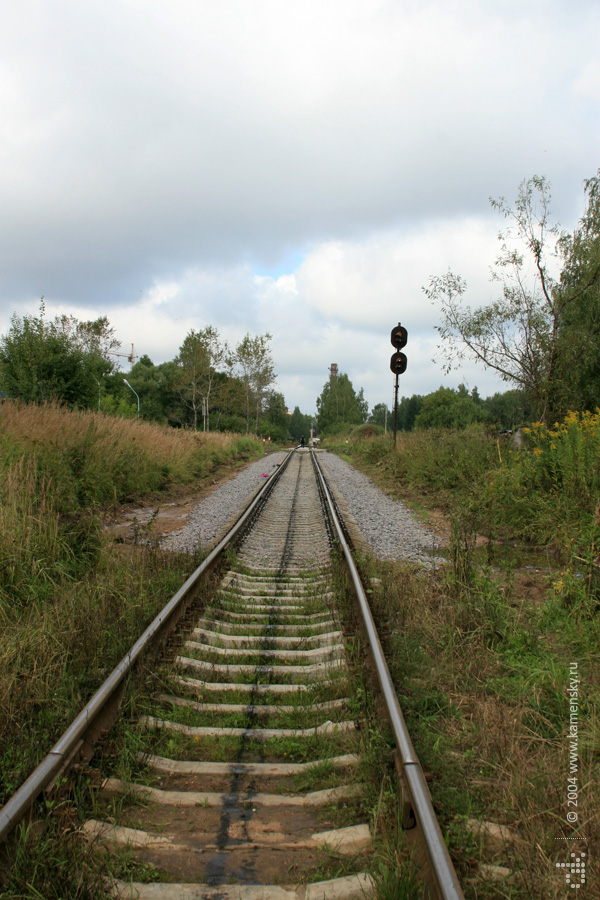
{"x":539,"y":334}
{"x":339,"y":405}
{"x":205,"y":387}
{"x":200,"y":356}
{"x":57,"y":466}
{"x":62,"y":360}
{"x":254,"y":361}
{"x":299,"y":424}
{"x":71,"y":603}
{"x":515,"y":334}
{"x":408,"y":410}
{"x":447,"y":408}
{"x":157,"y":387}
{"x":379,"y":415}
{"x":363,"y":432}
{"x":546,"y":493}
{"x":275,"y":421}
{"x":577,"y":381}
{"x":508,"y":410}
{"x":549,"y":491}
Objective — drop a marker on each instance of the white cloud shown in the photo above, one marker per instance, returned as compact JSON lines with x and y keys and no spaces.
{"x":587,"y":83}
{"x":377,"y":281}
{"x":154,"y":156}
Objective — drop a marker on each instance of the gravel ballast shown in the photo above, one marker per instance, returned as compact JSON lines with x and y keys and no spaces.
{"x":387,"y":526}
{"x":209,"y":518}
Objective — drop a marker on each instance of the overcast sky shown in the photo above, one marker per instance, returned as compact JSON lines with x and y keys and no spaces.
{"x":298,"y":168}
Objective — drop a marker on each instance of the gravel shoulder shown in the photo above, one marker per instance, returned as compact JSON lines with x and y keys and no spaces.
{"x":387,"y":527}
{"x":208,"y":520}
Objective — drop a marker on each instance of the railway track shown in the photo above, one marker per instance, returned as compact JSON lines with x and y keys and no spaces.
{"x":247,"y":778}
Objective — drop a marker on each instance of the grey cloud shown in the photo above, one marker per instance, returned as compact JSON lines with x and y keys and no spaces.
{"x":146,"y":143}
{"x":163,"y":139}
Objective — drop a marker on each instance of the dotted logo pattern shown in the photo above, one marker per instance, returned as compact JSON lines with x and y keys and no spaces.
{"x":575,"y":874}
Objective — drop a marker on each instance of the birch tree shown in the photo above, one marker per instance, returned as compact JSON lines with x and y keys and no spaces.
{"x":201,"y":355}
{"x":517,"y":333}
{"x":256,"y":370}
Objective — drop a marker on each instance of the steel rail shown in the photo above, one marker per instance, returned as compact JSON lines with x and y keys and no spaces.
{"x":446,"y":880}
{"x":61,"y":754}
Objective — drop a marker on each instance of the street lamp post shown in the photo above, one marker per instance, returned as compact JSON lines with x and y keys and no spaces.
{"x":136,"y":394}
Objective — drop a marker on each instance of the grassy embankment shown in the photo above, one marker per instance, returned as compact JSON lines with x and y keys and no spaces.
{"x":484,"y":651}
{"x":71,"y":601}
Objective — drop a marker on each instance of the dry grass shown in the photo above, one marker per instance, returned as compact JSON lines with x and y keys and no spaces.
{"x":55,"y":652}
{"x":96,"y":459}
{"x":66,"y":430}
{"x":69,"y":603}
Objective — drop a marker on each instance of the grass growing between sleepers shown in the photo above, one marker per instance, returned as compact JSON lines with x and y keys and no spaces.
{"x":71,"y":602}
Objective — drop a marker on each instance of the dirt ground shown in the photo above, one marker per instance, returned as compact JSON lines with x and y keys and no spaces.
{"x":157,"y":515}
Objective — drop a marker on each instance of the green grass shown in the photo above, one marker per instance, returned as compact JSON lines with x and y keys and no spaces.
{"x":71,"y":602}
{"x":482,"y":674}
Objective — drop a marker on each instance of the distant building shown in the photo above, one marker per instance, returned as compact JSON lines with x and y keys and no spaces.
{"x":333,"y":368}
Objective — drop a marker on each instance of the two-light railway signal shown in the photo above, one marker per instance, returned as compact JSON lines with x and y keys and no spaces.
{"x":398,"y":363}
{"x":399,"y":336}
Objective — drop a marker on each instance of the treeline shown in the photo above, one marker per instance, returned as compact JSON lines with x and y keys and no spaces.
{"x":208,"y":386}
{"x":541,"y":333}
{"x":450,"y":408}
{"x":339,"y":406}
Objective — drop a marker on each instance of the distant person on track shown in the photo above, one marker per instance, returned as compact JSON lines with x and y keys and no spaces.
{"x":302,"y":440}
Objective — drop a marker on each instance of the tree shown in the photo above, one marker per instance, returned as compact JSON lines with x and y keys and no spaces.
{"x":447,"y":408}
{"x":299,"y":424}
{"x":95,"y":337}
{"x":517,"y":333}
{"x":255,"y":365}
{"x":201,"y":353}
{"x":277,"y":416}
{"x":157,"y":387}
{"x":379,"y":415}
{"x":577,"y":382}
{"x":508,"y":410}
{"x":227,"y":408}
{"x":62,"y":359}
{"x":408,"y":410}
{"x":339,"y":405}
{"x":542,"y":334}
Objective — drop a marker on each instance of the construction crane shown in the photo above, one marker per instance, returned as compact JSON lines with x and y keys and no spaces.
{"x":130,"y":357}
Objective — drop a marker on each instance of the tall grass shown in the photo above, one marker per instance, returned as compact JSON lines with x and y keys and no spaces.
{"x":481,"y":656}
{"x":57,"y":467}
{"x":482,"y":673}
{"x":71,"y":602}
{"x":545,"y":493}
{"x":549,"y":491}
{"x":433,"y":462}
{"x":101,"y":459}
